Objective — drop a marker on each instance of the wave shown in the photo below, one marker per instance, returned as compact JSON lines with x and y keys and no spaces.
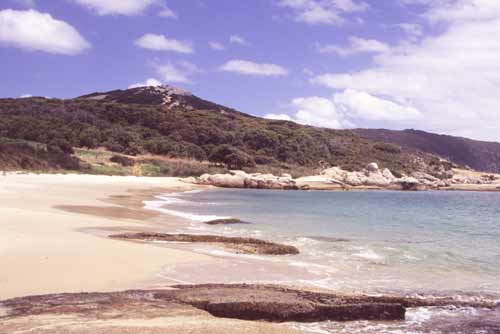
{"x":173,"y":198}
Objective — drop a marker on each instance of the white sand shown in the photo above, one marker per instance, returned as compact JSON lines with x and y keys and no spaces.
{"x":42,"y":252}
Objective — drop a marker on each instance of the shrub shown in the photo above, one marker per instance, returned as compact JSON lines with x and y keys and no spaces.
{"x":122,"y":160}
{"x":387,"y":147}
{"x":232,"y":157}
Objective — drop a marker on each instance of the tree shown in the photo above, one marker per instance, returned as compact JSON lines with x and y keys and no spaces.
{"x":232,"y":157}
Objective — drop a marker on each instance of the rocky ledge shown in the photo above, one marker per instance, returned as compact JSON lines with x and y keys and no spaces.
{"x":234,"y":301}
{"x":236,"y":244}
{"x":372,"y":177}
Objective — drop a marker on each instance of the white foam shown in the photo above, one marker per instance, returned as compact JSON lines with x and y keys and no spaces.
{"x":419,"y":315}
{"x":368,"y":254}
{"x":168,"y":199}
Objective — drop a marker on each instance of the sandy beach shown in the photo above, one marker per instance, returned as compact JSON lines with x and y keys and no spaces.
{"x":42,"y":250}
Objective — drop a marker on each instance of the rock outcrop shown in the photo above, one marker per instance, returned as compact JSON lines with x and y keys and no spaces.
{"x":234,"y":301}
{"x":372,"y":177}
{"x":241,"y":179}
{"x":236,"y":244}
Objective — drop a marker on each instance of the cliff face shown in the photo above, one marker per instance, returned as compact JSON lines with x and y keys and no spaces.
{"x":479,"y":155}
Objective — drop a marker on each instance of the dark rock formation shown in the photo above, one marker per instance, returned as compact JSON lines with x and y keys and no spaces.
{"x":236,"y":301}
{"x":226,"y":221}
{"x":240,"y":245}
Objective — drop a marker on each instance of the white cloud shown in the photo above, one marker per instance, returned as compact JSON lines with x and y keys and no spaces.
{"x":119,"y":7}
{"x":216,"y":46}
{"x":463,"y":10}
{"x":452,"y":78}
{"x":151,"y":82}
{"x":25,"y":96}
{"x":35,"y":31}
{"x":356,"y":45}
{"x":322,"y":11}
{"x":162,"y":43}
{"x":177,"y":72}
{"x":25,"y":3}
{"x":361,"y":105}
{"x":236,"y":39}
{"x":168,"y":13}
{"x":345,"y":109}
{"x":315,"y":111}
{"x":252,"y":68}
{"x":281,"y":117}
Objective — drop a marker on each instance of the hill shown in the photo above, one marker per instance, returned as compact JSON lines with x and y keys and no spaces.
{"x":478,"y":155}
{"x":170,"y":122}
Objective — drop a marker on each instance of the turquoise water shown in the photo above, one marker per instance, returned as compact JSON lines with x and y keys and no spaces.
{"x":366,"y":241}
{"x":405,"y":243}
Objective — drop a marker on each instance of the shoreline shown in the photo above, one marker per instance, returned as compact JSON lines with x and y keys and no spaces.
{"x":58,"y":229}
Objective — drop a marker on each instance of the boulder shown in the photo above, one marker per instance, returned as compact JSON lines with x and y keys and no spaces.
{"x":377,"y":179}
{"x":386,"y":172}
{"x":372,"y":167}
{"x":355,"y":179}
{"x":334,"y":173}
{"x":408,"y":183}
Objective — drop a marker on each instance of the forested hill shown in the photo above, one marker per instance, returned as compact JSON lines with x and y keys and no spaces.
{"x":171,"y":122}
{"x":479,"y":155}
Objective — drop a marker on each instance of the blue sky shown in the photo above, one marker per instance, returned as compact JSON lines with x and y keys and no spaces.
{"x":427,"y":64}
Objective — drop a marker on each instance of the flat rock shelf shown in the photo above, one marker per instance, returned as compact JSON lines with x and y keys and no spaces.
{"x":237,"y":244}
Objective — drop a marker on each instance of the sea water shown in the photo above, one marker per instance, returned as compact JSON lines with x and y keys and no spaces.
{"x":409,"y":243}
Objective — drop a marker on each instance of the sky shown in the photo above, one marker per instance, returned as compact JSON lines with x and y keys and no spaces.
{"x":425,"y":64}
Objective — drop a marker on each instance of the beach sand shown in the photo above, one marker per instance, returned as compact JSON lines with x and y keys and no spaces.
{"x":42,"y":250}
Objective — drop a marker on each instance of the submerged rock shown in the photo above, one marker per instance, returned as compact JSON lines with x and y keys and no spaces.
{"x":240,"y":245}
{"x":225,"y":221}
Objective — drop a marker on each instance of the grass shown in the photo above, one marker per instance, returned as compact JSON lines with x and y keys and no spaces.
{"x":98,"y":162}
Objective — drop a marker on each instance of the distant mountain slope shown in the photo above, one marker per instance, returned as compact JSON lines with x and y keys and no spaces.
{"x":479,"y":155}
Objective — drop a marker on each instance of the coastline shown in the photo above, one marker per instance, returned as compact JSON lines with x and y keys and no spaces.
{"x":55,"y":239}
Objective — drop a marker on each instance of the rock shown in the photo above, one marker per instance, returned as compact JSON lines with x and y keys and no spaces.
{"x":388,"y":174}
{"x":240,"y":179}
{"x":355,"y":179}
{"x":334,"y":173}
{"x":240,"y":245}
{"x":223,"y":180}
{"x":225,"y":221}
{"x":408,"y":183}
{"x":234,"y":301}
{"x":372,"y":167}
{"x":286,"y":176}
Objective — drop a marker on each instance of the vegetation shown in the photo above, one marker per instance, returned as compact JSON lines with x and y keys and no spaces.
{"x":205,"y":139}
{"x":21,"y":154}
{"x":479,"y":155}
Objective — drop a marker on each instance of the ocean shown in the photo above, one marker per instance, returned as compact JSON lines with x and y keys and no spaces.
{"x":377,"y":242}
